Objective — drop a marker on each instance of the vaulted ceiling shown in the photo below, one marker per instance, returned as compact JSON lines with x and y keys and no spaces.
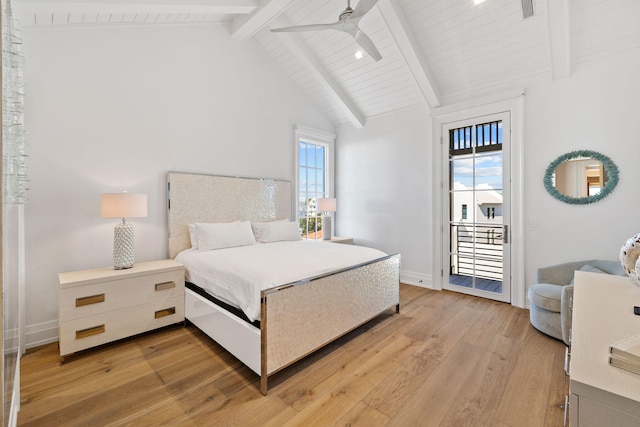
{"x":433,"y":52}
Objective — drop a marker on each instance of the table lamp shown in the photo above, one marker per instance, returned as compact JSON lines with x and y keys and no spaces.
{"x":326,"y":205}
{"x":123,"y":205}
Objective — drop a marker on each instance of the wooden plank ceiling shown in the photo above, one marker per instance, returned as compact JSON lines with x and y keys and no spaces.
{"x":434,"y":52}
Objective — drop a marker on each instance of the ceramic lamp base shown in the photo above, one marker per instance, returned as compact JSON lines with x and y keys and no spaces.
{"x":326,"y":228}
{"x":123,"y":246}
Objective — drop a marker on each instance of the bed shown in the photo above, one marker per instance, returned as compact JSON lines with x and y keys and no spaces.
{"x":293,"y":314}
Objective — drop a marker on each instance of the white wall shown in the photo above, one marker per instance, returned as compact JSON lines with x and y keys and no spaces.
{"x":383,"y":187}
{"x":112,"y":109}
{"x":596,"y":109}
{"x":385,"y":184}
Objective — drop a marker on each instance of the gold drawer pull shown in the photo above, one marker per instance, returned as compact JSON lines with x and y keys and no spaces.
{"x":84,"y":333}
{"x":165,"y":312}
{"x":165,"y":285}
{"x":93,"y":299}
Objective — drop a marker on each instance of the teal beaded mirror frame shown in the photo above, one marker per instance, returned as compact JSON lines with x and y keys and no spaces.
{"x":581,"y":177}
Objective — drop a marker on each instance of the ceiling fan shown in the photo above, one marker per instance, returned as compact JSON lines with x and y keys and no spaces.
{"x":348,"y":23}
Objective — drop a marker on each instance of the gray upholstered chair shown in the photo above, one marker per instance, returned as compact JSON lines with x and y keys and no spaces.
{"x":550,"y":298}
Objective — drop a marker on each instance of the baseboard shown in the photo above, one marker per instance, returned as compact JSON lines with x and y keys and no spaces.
{"x":41,"y":334}
{"x":416,"y":279}
{"x":11,"y":341}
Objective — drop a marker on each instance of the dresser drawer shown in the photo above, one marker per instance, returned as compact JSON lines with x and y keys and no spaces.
{"x":90,"y":331}
{"x":110,"y":295}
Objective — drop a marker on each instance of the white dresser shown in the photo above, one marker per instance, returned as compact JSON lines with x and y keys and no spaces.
{"x":103,"y":305}
{"x":601,"y":395}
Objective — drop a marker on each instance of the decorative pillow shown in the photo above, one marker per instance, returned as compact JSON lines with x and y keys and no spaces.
{"x":192,"y":236}
{"x":276,"y":231}
{"x":224,"y":235}
{"x":590,"y":268}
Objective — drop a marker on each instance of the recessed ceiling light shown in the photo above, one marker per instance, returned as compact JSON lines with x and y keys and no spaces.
{"x":359,"y":54}
{"x":477,"y":2}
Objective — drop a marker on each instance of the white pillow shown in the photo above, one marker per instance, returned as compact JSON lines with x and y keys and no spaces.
{"x":224,"y":235}
{"x":276,"y":231}
{"x":192,"y":236}
{"x":260,"y":228}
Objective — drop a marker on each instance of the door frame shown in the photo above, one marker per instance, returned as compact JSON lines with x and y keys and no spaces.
{"x":513,"y":103}
{"x":446,"y":194}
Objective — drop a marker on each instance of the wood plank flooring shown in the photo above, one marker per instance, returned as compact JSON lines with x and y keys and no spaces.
{"x":446,"y":360}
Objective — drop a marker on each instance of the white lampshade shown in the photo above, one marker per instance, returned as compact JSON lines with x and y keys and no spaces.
{"x":326,"y":204}
{"x":123,"y":205}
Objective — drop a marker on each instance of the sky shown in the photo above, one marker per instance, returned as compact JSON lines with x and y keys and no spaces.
{"x":488,"y":170}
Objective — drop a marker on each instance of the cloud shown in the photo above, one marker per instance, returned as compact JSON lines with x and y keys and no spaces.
{"x":495,"y":171}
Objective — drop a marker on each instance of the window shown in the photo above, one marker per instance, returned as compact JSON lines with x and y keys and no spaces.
{"x":315,"y":176}
{"x":464,"y":211}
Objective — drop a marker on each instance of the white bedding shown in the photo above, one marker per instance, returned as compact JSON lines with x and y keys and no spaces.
{"x":237,"y":275}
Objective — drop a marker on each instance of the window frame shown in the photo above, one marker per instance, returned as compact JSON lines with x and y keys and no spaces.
{"x":316,"y":137}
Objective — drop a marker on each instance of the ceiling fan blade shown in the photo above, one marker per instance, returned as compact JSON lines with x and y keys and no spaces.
{"x":312,"y":27}
{"x":362,"y":8}
{"x":365,"y":42}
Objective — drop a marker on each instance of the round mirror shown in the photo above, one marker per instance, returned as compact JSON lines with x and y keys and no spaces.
{"x":581,"y":177}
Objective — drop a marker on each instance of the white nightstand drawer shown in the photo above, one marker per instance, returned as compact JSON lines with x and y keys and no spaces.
{"x":92,"y":299}
{"x":86,"y":332}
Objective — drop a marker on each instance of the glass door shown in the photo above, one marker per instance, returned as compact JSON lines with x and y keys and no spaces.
{"x":477,"y":240}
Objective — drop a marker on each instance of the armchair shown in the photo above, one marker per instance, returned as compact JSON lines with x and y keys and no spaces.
{"x":550,"y":298}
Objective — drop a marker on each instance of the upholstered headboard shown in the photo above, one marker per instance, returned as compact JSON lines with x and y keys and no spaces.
{"x":210,"y":198}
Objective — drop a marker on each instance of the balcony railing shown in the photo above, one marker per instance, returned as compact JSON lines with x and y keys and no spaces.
{"x":476,"y":250}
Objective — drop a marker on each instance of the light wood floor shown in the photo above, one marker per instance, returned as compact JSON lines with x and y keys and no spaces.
{"x":446,"y":359}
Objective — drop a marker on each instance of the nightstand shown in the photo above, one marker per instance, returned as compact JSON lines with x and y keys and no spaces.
{"x":103,"y":305}
{"x":345,"y":240}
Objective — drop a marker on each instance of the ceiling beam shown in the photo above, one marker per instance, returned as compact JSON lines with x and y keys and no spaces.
{"x":139,"y":6}
{"x":246,"y":26}
{"x":559,"y":38}
{"x":410,"y":50}
{"x":303,"y":54}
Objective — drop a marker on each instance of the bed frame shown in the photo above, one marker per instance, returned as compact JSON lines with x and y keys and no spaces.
{"x":296,"y":319}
